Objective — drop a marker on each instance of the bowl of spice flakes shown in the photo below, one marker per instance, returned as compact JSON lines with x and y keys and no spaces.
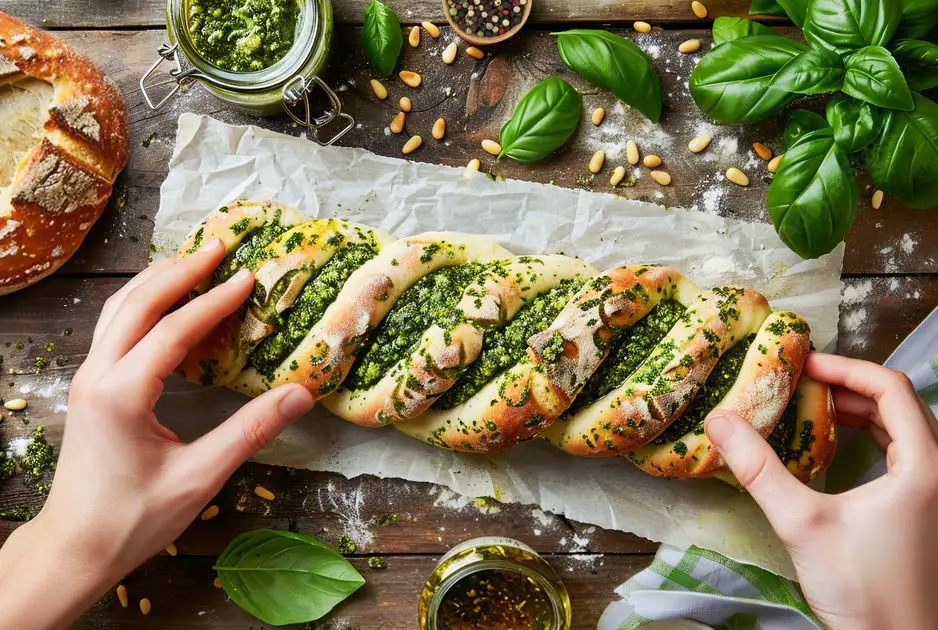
{"x":483,"y":22}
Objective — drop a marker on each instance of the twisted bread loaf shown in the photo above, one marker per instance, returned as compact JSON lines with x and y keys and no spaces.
{"x":458,"y":343}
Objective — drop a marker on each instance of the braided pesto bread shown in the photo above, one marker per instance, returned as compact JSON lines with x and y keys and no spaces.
{"x":453,"y":340}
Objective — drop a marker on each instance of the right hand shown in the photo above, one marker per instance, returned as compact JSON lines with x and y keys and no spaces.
{"x":865,"y":558}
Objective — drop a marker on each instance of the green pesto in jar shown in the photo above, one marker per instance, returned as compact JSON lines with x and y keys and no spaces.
{"x":242,"y":35}
{"x":503,"y":347}
{"x":433,"y":299}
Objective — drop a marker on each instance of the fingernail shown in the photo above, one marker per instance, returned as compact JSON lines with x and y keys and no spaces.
{"x":210,"y":244}
{"x":297,"y":402}
{"x":719,"y":427}
{"x":241,"y":276}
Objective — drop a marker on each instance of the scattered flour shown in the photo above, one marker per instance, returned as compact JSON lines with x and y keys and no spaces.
{"x":17,"y":446}
{"x":348,"y":505}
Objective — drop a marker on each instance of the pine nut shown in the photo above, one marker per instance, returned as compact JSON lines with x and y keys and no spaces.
{"x":264,"y":493}
{"x":642,"y":27}
{"x":598,"y":114}
{"x":210,"y":513}
{"x":397,"y":123}
{"x":216,"y":582}
{"x":475,"y":53}
{"x":171,"y":549}
{"x":145,"y":606}
{"x":17,"y":404}
{"x":652,"y":161}
{"x":414,"y":37}
{"x":618,"y":174}
{"x":699,"y":9}
{"x":491,"y":147}
{"x":631,"y":152}
{"x":378,"y":88}
{"x":762,"y":151}
{"x":596,"y":162}
{"x":472,"y":167}
{"x":410,"y":78}
{"x":690,"y":46}
{"x":449,"y":53}
{"x":737,"y":176}
{"x":439,"y":129}
{"x":431,"y":29}
{"x":774,"y":162}
{"x":122,"y":596}
{"x":699,"y":143}
{"x":662,"y":177}
{"x":877,"y":199}
{"x":412,"y":145}
{"x":406,"y":105}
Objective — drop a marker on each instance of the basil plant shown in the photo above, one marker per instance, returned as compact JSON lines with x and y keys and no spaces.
{"x":875,"y":58}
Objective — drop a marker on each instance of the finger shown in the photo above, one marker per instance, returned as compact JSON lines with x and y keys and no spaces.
{"x":114,"y":302}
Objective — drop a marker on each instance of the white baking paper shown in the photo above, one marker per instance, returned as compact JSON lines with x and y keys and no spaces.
{"x":214,"y":163}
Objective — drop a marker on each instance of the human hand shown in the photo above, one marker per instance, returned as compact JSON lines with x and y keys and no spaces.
{"x":865,"y":558}
{"x":125,"y":486}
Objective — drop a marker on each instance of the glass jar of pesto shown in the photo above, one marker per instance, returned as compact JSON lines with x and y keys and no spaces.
{"x":262,"y":56}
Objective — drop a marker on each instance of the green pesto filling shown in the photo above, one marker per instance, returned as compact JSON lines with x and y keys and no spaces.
{"x":317,"y":294}
{"x":431,"y":300}
{"x":503,"y":347}
{"x":719,"y":382}
{"x":784,"y":432}
{"x":630,"y":346}
{"x":249,"y":250}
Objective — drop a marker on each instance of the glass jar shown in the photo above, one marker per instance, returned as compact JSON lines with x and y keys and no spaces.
{"x":285,"y":86}
{"x":493,"y":583}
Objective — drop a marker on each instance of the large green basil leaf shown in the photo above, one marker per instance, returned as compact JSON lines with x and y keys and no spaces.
{"x":281,"y":577}
{"x":855,"y":123}
{"x":845,"y":25}
{"x":813,"y":72}
{"x":543,"y":120}
{"x":733,"y":82}
{"x":766,"y":7}
{"x":793,"y":9}
{"x":381,"y":37}
{"x":813,"y":197}
{"x":904,"y":160}
{"x":614,"y":63}
{"x":919,"y":61}
{"x":918,"y":18}
{"x":801,"y":122}
{"x":872,"y":75}
{"x":729,"y":28}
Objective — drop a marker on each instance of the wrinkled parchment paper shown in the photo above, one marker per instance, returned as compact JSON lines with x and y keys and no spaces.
{"x":214,"y":163}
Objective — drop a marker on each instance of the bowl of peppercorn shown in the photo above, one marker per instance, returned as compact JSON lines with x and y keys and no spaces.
{"x":483,"y":22}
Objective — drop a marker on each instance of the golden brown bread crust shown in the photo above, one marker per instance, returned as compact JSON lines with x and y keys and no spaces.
{"x":61,"y":186}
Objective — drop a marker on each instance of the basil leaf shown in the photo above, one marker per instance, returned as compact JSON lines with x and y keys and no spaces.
{"x":733,"y":82}
{"x":855,"y":123}
{"x":281,"y":577}
{"x":813,"y":198}
{"x":872,"y":75}
{"x":918,"y":18}
{"x":381,"y":37}
{"x":766,"y":7}
{"x":794,"y":9}
{"x":813,"y":72}
{"x":845,"y":25}
{"x":904,"y":160}
{"x":919,"y":62}
{"x":729,"y":28}
{"x":543,"y":120}
{"x":801,"y":122}
{"x":614,"y":63}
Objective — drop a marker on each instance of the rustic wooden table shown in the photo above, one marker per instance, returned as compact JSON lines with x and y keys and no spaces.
{"x":890,"y":278}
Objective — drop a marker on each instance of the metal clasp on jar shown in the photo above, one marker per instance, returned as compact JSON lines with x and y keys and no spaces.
{"x":168,"y":53}
{"x":297,"y":90}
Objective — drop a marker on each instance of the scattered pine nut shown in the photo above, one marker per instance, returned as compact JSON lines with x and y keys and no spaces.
{"x":472,"y":167}
{"x":699,"y":143}
{"x":122,"y":596}
{"x":774,"y":162}
{"x":378,"y":88}
{"x":491,"y":147}
{"x":475,"y":53}
{"x":439,"y":129}
{"x":662,"y":177}
{"x":699,"y":9}
{"x":171,"y":549}
{"x":406,"y":105}
{"x":877,"y":199}
{"x":145,"y":606}
{"x":410,"y":78}
{"x":17,"y":404}
{"x":652,"y":161}
{"x":431,"y":29}
{"x":642,"y":27}
{"x":762,"y":151}
{"x":737,"y":176}
{"x":598,"y":114}
{"x":690,"y":46}
{"x":412,"y":145}
{"x":631,"y":152}
{"x":596,"y":162}
{"x":449,"y":53}
{"x":210,"y":513}
{"x":264,"y":493}
{"x":414,"y":38}
{"x":397,"y":123}
{"x":618,"y":174}
{"x":216,"y":582}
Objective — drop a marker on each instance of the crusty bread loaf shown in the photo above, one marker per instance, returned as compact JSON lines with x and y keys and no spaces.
{"x":454,"y":341}
{"x":64,"y":140}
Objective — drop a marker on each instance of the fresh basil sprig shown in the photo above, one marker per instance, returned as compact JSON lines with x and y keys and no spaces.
{"x":845,"y":25}
{"x":615,"y":63}
{"x":872,"y":75}
{"x":729,"y":28}
{"x":855,"y":123}
{"x":919,"y":17}
{"x":282,"y":578}
{"x":381,"y":37}
{"x":811,"y":72}
{"x":919,"y":62}
{"x":801,"y":122}
{"x":793,"y":9}
{"x":543,"y":120}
